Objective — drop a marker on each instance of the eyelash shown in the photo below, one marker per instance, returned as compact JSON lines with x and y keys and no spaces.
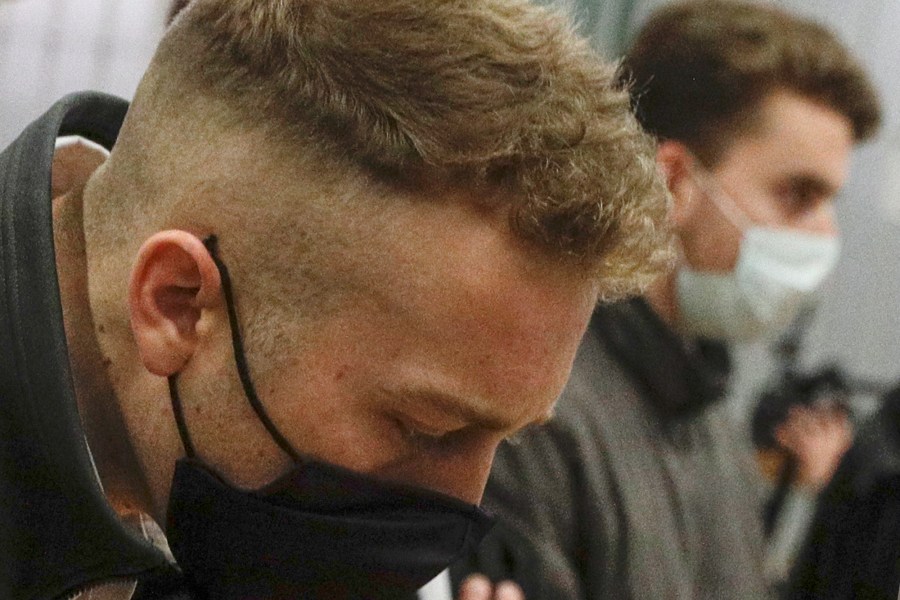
{"x":420,"y":439}
{"x":517,"y":437}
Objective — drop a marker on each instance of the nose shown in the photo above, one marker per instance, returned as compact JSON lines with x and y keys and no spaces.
{"x":465,"y":477}
{"x":460,"y":470}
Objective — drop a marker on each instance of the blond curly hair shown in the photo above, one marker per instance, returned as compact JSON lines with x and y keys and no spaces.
{"x":370,"y":101}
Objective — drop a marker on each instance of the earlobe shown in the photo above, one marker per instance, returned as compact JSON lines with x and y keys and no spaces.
{"x":173,"y":281}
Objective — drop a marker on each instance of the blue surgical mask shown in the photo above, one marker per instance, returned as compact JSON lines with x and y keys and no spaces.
{"x":778,"y":271}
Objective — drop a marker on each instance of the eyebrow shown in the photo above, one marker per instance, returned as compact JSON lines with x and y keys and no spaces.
{"x":466,"y":410}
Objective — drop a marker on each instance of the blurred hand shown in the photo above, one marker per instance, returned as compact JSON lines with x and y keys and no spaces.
{"x":817,"y":438}
{"x":479,"y":587}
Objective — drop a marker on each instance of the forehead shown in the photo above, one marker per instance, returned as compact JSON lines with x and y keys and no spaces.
{"x":793,"y":136}
{"x":466,"y":307}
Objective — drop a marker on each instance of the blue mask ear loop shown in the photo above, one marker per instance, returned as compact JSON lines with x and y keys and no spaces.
{"x":243,"y":369}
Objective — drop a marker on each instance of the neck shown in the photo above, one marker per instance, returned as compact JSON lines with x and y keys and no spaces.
{"x":98,"y":405}
{"x":662,"y":297}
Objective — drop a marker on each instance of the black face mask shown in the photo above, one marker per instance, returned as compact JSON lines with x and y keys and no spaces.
{"x":318,"y":531}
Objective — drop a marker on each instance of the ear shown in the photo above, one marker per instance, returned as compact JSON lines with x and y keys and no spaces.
{"x":677,"y":163}
{"x":173,"y":281}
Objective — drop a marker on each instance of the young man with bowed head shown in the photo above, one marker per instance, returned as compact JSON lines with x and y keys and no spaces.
{"x":636,"y":488}
{"x":262,"y":330}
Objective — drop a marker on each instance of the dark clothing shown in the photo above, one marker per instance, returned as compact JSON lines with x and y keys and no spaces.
{"x":57,"y":532}
{"x":636,"y":488}
{"x":853,"y":547}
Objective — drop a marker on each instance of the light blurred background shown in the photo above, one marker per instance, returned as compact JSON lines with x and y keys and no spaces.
{"x":49,"y":48}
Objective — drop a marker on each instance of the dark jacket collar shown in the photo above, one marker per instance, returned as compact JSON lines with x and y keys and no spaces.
{"x":57,"y":532}
{"x":679,"y":377}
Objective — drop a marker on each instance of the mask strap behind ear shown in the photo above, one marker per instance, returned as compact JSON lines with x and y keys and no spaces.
{"x":723,"y":199}
{"x":240,"y":357}
{"x":179,"y":417}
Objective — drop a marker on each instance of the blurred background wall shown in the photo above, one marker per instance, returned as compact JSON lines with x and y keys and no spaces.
{"x":51,"y":47}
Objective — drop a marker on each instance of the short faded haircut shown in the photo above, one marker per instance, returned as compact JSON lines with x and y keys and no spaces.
{"x":488,"y":93}
{"x":174,"y":8}
{"x":699,"y":70}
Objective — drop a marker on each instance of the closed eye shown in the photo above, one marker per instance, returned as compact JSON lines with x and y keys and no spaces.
{"x":422,"y":436}
{"x":519,"y":436}
{"x":801,"y":195}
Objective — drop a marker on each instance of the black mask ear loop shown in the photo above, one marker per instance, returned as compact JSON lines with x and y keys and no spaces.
{"x":243,"y":369}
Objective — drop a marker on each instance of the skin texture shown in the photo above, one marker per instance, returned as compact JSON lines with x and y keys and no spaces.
{"x":784,"y":172}
{"x":418,"y":385}
{"x":97,"y":404}
{"x":463,"y":338}
{"x":817,"y":437}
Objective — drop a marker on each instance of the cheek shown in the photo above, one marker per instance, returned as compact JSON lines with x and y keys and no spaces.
{"x":821,"y":221}
{"x":324,"y":410}
{"x":337,"y":430}
{"x":711,"y":244}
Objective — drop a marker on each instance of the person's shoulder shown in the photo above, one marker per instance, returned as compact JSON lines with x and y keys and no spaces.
{"x":599,"y":388}
{"x":597,"y":397}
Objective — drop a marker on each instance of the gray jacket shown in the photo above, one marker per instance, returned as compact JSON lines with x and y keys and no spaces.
{"x":636,"y":488}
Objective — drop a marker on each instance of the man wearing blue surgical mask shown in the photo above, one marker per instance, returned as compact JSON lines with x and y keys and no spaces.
{"x":636,"y":488}
{"x":756,"y":229}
